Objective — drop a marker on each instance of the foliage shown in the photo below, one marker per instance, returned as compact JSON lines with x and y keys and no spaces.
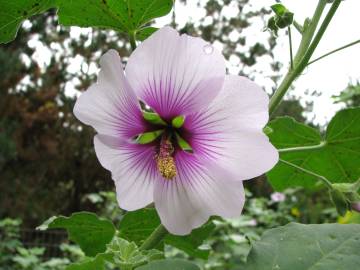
{"x":335,"y":155}
{"x":316,"y":246}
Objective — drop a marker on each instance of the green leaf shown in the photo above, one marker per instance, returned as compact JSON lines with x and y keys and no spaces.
{"x":128,"y":256}
{"x":125,"y":15}
{"x":153,"y":118}
{"x":191,"y":242}
{"x":96,"y":263}
{"x":145,"y":32}
{"x":340,"y":201}
{"x":183,"y":144}
{"x":128,"y":16}
{"x":174,"y":264}
{"x":86,"y":229}
{"x":178,"y":121}
{"x":307,"y":247}
{"x":14,"y":12}
{"x":138,"y":225}
{"x":148,"y":137}
{"x":336,"y":155}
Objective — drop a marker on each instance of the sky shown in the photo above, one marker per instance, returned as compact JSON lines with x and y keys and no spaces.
{"x":329,"y":76}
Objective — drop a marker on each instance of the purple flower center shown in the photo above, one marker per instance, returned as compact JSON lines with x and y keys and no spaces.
{"x":168,"y":137}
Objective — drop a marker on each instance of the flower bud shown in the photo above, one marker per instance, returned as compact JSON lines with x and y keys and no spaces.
{"x":355,"y":206}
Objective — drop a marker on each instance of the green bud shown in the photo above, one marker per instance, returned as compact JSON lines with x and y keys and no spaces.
{"x":340,"y":202}
{"x":285,"y":20}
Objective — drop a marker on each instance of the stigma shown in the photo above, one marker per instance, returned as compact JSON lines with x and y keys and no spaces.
{"x":164,"y":159}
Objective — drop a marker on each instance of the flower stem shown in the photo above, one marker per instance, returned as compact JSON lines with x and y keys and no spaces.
{"x":132,"y":40}
{"x":291,"y":49}
{"x":155,"y":238}
{"x":320,"y":177}
{"x":305,"y":51}
{"x":302,"y":148}
{"x":334,"y":51}
{"x":298,"y":27}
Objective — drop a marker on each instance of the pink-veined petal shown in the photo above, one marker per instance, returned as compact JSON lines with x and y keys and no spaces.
{"x":110,"y":105}
{"x":175,"y":74}
{"x":230,"y":130}
{"x":198,"y":192}
{"x":132,"y":168}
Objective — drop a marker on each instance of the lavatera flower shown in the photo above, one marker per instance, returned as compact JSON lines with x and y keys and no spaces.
{"x":175,"y":130}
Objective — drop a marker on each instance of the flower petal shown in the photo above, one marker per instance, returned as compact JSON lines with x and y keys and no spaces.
{"x":110,"y":105}
{"x":132,"y":167}
{"x":230,"y":130}
{"x":175,"y":74}
{"x":197,"y":192}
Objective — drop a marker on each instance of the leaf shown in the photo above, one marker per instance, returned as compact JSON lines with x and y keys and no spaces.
{"x":174,"y":264}
{"x":145,"y":32}
{"x":124,"y":16}
{"x":14,"y":12}
{"x":304,"y":247}
{"x":96,"y":263}
{"x":191,"y":242}
{"x":138,"y":225}
{"x":335,"y":156}
{"x":86,"y":229}
{"x":128,"y":256}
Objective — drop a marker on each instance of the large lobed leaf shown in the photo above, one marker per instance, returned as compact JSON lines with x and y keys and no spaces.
{"x":169,"y":264}
{"x":14,"y":12}
{"x":307,"y":247}
{"x":86,"y":229}
{"x":338,"y":159}
{"x":129,"y":16}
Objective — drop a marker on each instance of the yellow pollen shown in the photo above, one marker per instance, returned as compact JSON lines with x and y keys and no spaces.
{"x":166,"y":166}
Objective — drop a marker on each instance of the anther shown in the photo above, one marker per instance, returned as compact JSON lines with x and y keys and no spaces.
{"x":164,"y":160}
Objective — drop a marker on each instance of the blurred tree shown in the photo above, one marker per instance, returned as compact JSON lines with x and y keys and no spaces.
{"x":350,"y":96}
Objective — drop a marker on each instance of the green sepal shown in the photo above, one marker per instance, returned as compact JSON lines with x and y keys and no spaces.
{"x":178,"y":121}
{"x":183,"y":144}
{"x":148,"y":137}
{"x":153,"y":118}
{"x":279,"y":9}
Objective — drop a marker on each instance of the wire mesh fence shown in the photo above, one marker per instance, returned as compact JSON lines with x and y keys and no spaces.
{"x":49,"y":240}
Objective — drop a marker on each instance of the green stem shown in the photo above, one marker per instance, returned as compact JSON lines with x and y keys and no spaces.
{"x":334,"y":51}
{"x":132,"y":40}
{"x":305,"y":51}
{"x":320,"y":177}
{"x":291,"y":49}
{"x":302,"y":148}
{"x":298,"y":27}
{"x":155,"y":238}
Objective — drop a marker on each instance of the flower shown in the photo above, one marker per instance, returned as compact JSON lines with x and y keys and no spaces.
{"x":277,"y":197}
{"x":175,"y":130}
